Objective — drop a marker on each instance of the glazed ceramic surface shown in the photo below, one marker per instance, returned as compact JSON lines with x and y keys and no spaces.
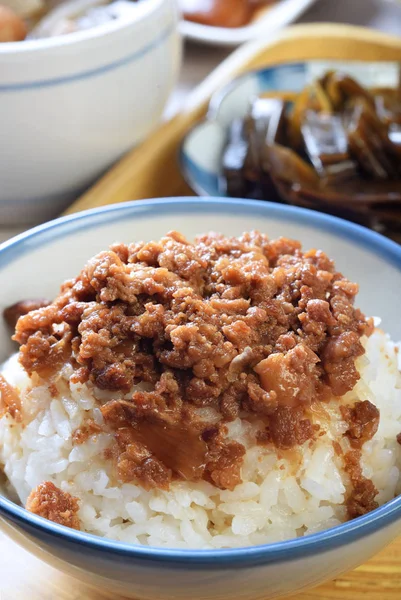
{"x":35,"y":264}
{"x":202,"y":148}
{"x":71,"y":105}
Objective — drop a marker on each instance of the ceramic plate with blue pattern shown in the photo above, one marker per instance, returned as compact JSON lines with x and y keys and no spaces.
{"x":202,"y":148}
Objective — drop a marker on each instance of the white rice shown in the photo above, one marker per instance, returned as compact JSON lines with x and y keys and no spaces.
{"x":279,"y":498}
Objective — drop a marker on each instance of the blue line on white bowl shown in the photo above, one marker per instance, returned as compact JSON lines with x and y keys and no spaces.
{"x":226,"y":558}
{"x":203,"y":182}
{"x":126,"y":60}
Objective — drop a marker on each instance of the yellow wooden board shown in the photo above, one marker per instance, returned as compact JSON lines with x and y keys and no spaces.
{"x":151,"y":170}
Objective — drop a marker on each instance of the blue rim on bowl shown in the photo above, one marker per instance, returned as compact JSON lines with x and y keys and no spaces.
{"x":318,"y":542}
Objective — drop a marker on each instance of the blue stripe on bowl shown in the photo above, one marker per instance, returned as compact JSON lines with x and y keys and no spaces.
{"x":201,"y":181}
{"x":290,"y":77}
{"x":122,"y":62}
{"x":278,"y":552}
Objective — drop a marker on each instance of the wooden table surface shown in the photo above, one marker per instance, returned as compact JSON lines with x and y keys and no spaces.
{"x":23,"y":577}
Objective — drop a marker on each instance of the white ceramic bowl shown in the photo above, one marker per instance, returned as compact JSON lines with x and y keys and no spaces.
{"x":146,"y":573}
{"x":71,"y":105}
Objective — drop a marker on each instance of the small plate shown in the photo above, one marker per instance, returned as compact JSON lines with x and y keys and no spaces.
{"x":273,"y":18}
{"x":202,"y":148}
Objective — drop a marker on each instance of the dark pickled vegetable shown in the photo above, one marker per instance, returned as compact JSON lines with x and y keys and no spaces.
{"x":245,"y":168}
{"x":233,"y":161}
{"x":326,"y":145}
{"x":336,"y":148}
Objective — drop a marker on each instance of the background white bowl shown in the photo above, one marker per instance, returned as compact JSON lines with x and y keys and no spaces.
{"x":35,"y":263}
{"x":71,"y":105}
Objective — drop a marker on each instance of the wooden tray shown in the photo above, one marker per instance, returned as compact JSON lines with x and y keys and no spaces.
{"x":150,"y":171}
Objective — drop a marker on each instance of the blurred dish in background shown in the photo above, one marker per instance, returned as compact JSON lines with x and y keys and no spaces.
{"x":330,"y":142}
{"x":232,"y":22}
{"x":12,"y":27}
{"x":220,"y":13}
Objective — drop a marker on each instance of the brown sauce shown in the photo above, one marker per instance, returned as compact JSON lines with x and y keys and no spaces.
{"x":181,"y":447}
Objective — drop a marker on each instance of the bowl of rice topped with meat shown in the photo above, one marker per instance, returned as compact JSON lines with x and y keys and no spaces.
{"x":210,"y":394}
